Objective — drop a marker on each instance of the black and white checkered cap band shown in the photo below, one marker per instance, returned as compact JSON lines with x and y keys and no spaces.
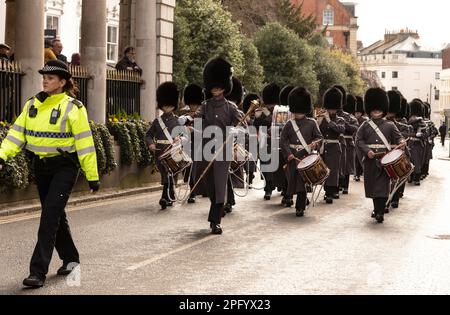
{"x":52,"y":69}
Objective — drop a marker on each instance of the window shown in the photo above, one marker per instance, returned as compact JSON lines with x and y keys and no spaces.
{"x":394,"y":74}
{"x":416,"y":75}
{"x":112,"y":48}
{"x":328,"y":16}
{"x":436,"y":95}
{"x":394,"y":88}
{"x":52,"y":23}
{"x":438,"y":76}
{"x":383,"y":75}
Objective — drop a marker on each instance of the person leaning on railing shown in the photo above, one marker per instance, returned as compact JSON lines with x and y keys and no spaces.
{"x":54,"y":127}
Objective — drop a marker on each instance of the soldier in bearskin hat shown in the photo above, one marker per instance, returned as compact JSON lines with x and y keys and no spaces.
{"x":264,"y":118}
{"x":297,"y":133}
{"x":218,"y":113}
{"x":251,"y":135}
{"x":159,"y":136}
{"x":360,"y":116}
{"x":351,"y":126}
{"x":193,"y":97}
{"x":432,"y":132}
{"x":417,"y":141}
{"x":332,"y":127}
{"x":373,"y":140}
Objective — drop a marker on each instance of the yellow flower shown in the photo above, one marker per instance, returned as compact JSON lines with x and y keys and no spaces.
{"x":116,"y":120}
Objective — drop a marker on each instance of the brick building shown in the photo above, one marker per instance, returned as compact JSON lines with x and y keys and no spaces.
{"x":340,"y":19}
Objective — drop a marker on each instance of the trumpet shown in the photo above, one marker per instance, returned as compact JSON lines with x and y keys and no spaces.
{"x":321,"y":113}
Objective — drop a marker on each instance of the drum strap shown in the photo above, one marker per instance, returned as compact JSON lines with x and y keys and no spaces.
{"x":380,"y":134}
{"x":300,"y":136}
{"x":165,"y":130}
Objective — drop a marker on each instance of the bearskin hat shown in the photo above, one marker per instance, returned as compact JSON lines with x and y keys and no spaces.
{"x":344,"y":94}
{"x":395,"y":101}
{"x":427,"y":110}
{"x":300,"y":101}
{"x":416,"y":108}
{"x":218,"y":73}
{"x":271,"y":94}
{"x":332,"y":99}
{"x":167,"y":94}
{"x":193,"y":95}
{"x":376,"y":99}
{"x":350,"y":104}
{"x":237,"y":92}
{"x":284,"y":94}
{"x":247,"y":101}
{"x":403,"y":113}
{"x":360,"y":105}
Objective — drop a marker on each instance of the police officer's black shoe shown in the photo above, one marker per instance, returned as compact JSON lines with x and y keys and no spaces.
{"x":65,"y":270}
{"x":228,"y":208}
{"x":163,"y":203}
{"x":267,"y":195}
{"x":191,"y":200}
{"x":216,"y":229}
{"x":34,"y":282}
{"x":345,"y":191}
{"x":289,"y":202}
{"x":299,"y":212}
{"x":379,"y":218}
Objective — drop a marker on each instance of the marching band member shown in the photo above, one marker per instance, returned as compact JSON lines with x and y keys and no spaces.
{"x":360,"y":117}
{"x":298,"y":138}
{"x":159,"y":136}
{"x":331,"y":126}
{"x":351,"y":126}
{"x":251,"y":135}
{"x":343,"y":156}
{"x":432,"y":132}
{"x":264,"y":118}
{"x":219,"y":113}
{"x":417,"y":141}
{"x":394,"y":112}
{"x":373,"y":140}
{"x":193,"y":98}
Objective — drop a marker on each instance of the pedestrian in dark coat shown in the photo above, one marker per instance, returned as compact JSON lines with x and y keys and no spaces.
{"x":128,"y":62}
{"x":218,"y":113}
{"x":300,"y":104}
{"x":193,"y":97}
{"x":443,"y":132}
{"x":167,"y":97}
{"x":417,"y":141}
{"x":332,"y":127}
{"x":351,"y":126}
{"x":372,"y":148}
{"x":264,"y":118}
{"x":361,"y":117}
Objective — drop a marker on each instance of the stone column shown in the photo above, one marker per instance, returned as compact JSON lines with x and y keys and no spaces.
{"x":164,"y":29}
{"x":93,"y":55}
{"x":10,"y":23}
{"x":29,"y":48}
{"x":145,"y":33}
{"x":124,"y":25}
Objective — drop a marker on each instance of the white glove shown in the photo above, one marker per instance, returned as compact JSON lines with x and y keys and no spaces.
{"x":258,"y":113}
{"x":266,"y":111}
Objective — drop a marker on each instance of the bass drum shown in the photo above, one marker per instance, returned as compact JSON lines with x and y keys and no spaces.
{"x":313,"y":170}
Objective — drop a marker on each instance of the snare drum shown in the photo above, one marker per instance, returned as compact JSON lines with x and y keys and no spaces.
{"x":240,"y":157}
{"x":313,"y":170}
{"x":397,"y":164}
{"x":281,"y":115}
{"x":175,"y":159}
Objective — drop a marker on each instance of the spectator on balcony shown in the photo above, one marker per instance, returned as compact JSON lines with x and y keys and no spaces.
{"x":57,"y":48}
{"x":128,"y":62}
{"x":75,"y":60}
{"x":48,"y":52}
{"x":4,"y":51}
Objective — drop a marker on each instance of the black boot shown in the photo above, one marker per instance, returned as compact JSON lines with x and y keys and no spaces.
{"x":267,"y":195}
{"x":34,"y":282}
{"x":191,"y":199}
{"x":228,"y":208}
{"x":216,"y":228}
{"x":357,"y":178}
{"x":299,"y":212}
{"x":329,"y":199}
{"x":289,"y":202}
{"x":163,"y":203}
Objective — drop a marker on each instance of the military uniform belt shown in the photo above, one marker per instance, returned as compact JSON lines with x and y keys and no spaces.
{"x":163,"y":142}
{"x":328,"y":141}
{"x":348,"y":137}
{"x":297,"y":147}
{"x":377,"y":146}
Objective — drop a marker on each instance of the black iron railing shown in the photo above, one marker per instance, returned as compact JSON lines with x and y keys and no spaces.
{"x":10,"y":87}
{"x":81,"y":77}
{"x":123,"y":92}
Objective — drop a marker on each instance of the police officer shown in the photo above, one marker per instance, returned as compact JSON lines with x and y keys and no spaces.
{"x":54,"y":127}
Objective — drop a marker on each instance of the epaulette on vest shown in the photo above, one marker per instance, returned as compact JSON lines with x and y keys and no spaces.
{"x":76,"y":102}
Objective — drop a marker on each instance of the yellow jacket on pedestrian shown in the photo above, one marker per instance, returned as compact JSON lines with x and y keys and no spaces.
{"x":70,"y":132}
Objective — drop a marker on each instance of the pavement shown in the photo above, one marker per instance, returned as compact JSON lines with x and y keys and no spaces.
{"x":129,"y":246}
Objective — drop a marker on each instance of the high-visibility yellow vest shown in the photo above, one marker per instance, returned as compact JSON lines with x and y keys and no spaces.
{"x":70,"y":133}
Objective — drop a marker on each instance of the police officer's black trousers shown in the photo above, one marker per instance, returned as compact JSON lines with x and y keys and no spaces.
{"x":55,"y":179}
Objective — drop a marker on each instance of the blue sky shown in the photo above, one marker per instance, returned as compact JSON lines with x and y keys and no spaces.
{"x":431,"y":18}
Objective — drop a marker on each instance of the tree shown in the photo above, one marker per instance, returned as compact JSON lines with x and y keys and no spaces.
{"x":204,"y":29}
{"x":286,"y":58}
{"x":355,"y":83}
{"x":291,"y":16}
{"x":253,"y":75}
